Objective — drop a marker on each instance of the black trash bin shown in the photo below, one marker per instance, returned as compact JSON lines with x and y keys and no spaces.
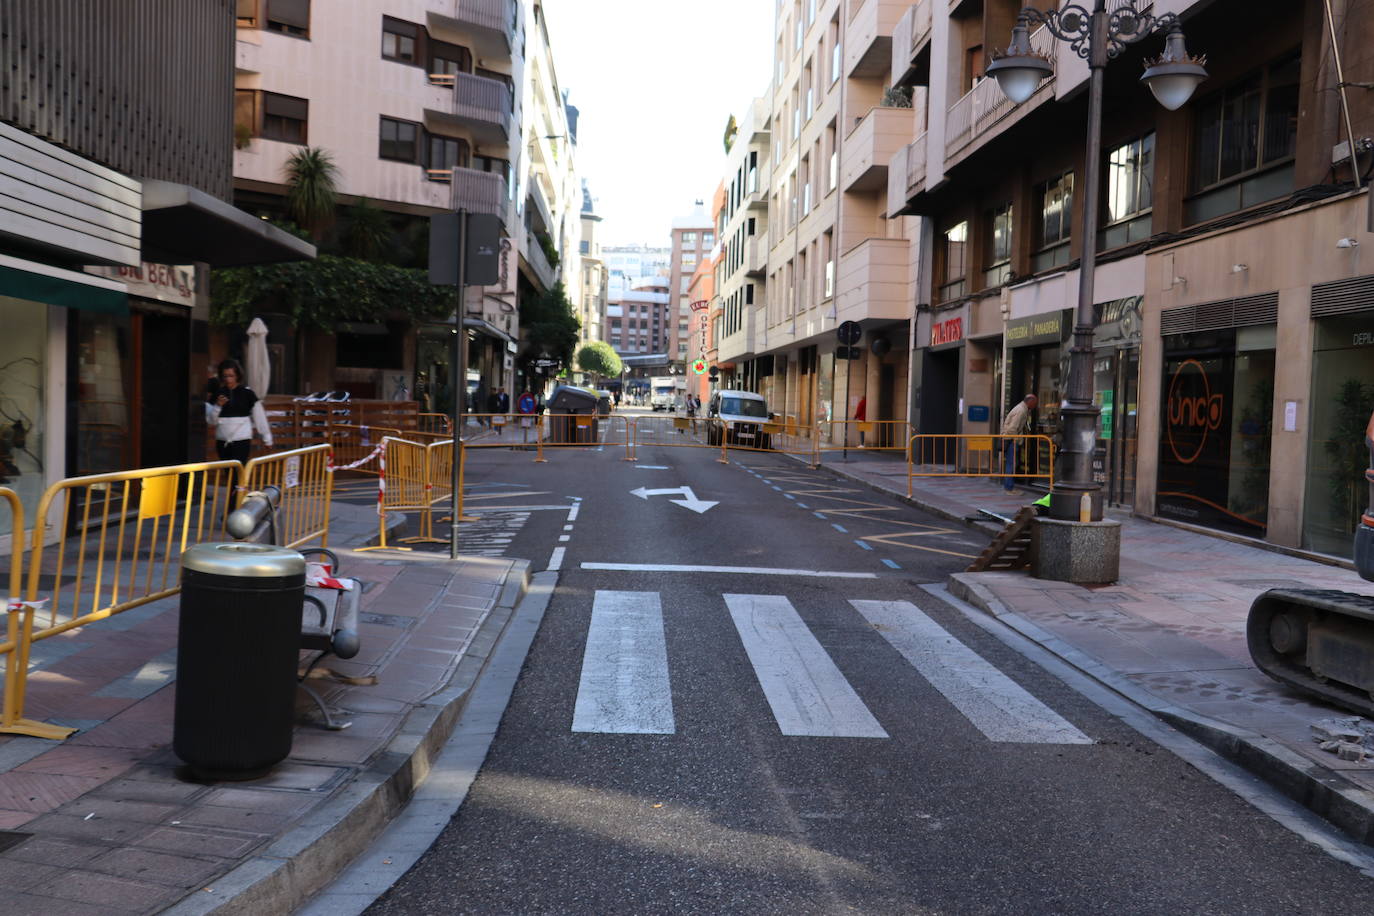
{"x":565,"y":404}
{"x":237,"y":651}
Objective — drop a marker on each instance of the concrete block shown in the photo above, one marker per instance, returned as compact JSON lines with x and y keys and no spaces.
{"x":1085,"y":553}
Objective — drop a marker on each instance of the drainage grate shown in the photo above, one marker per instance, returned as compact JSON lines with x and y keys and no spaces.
{"x":10,"y":838}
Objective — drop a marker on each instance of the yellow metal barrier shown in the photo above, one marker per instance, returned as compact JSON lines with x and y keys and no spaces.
{"x":668,"y":431}
{"x":499,"y":430}
{"x":18,"y":637}
{"x":355,"y":447}
{"x":122,"y":536}
{"x":939,"y":455}
{"x":306,"y":480}
{"x":869,"y":435}
{"x":434,"y":423}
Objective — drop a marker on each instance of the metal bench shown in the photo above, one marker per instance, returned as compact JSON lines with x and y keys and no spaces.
{"x":329,"y":616}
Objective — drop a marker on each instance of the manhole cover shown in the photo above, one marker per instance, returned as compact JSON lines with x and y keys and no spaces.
{"x":10,"y":838}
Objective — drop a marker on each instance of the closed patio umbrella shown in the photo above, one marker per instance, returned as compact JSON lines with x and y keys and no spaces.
{"x":257,"y":364}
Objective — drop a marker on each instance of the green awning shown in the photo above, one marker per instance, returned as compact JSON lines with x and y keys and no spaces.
{"x":23,"y":284}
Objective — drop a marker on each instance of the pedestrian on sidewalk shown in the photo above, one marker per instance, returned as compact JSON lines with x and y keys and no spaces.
{"x":861,"y":416}
{"x":234,"y":413}
{"x":502,"y":409}
{"x":1016,"y":423}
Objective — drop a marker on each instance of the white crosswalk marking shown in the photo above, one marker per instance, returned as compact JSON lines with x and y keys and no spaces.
{"x":996,"y":705}
{"x":807,"y":692}
{"x":624,"y":687}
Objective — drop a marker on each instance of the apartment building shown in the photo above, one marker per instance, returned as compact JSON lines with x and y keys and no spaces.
{"x":114,"y":206}
{"x":629,"y":264}
{"x":425,"y":107}
{"x":693,"y":237}
{"x":637,"y":323}
{"x":742,"y":231}
{"x":594,"y":276}
{"x":808,"y":173}
{"x":1234,"y":343}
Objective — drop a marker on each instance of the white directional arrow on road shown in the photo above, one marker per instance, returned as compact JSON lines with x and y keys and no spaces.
{"x":689,"y":499}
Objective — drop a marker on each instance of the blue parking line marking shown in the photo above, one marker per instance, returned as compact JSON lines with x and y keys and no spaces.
{"x":840,"y":528}
{"x":819,"y":515}
{"x":862,"y":544}
{"x":803,"y":505}
{"x":892,"y":563}
{"x":789,"y":496}
{"x":778,"y":488}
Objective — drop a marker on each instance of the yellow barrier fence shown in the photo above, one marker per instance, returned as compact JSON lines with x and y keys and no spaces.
{"x":763,"y":436}
{"x":668,"y":431}
{"x":356,"y":448}
{"x":415,"y":478}
{"x":1008,"y":457}
{"x":499,"y":430}
{"x":869,"y":435}
{"x":18,"y":636}
{"x":121,"y":537}
{"x":305,"y":477}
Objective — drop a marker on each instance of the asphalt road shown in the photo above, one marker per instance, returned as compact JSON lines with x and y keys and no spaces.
{"x":744,"y":741}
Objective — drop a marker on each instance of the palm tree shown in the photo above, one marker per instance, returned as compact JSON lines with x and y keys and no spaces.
{"x":369,"y":235}
{"x":310,"y":188}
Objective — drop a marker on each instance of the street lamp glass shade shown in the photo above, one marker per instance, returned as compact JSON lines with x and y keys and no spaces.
{"x":1173,"y":84}
{"x":1019,"y":77}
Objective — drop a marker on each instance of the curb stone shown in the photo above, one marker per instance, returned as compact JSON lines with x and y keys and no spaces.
{"x":1325,"y":792}
{"x":297,"y":864}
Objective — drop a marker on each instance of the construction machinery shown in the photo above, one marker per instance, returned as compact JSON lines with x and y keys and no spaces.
{"x":1321,"y":641}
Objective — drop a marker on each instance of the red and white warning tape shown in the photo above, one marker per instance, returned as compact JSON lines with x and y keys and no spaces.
{"x":18,"y":604}
{"x":331,"y":467}
{"x":381,"y":480}
{"x":320,"y":575}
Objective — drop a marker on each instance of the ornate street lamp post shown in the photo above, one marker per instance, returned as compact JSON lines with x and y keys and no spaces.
{"x":1097,"y":36}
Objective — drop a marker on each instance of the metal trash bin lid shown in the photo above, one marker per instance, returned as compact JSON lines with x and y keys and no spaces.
{"x":243,"y":561}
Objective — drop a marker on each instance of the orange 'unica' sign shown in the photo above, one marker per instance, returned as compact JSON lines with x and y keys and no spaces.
{"x":1192,"y":408}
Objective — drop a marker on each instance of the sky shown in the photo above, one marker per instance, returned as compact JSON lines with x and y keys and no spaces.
{"x":655,"y":82}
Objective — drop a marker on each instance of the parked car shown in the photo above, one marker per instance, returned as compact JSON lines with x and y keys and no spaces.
{"x":742,"y":415}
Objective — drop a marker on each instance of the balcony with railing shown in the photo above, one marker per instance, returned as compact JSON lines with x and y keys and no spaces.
{"x":479,"y":104}
{"x":872,"y":281}
{"x":756,"y":256}
{"x":486,"y":26}
{"x":909,"y":39}
{"x":538,"y":262}
{"x":869,"y":147}
{"x":906,"y":174}
{"x":984,"y":106}
{"x":868,"y":38}
{"x":473,"y":190}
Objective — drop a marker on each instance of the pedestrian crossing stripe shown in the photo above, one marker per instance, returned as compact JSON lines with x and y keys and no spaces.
{"x":625,"y":685}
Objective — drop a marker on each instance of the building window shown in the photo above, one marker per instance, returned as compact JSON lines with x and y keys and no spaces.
{"x":1056,"y":222}
{"x":399,"y":40}
{"x":997,"y":250}
{"x":1244,"y":142}
{"x":1130,"y":195}
{"x":290,"y":17}
{"x":444,"y":154}
{"x":689,"y":238}
{"x":954,"y":249}
{"x":834,"y":50}
{"x":284,"y":118}
{"x":399,"y":140}
{"x":448,"y":59}
{"x":708,"y":239}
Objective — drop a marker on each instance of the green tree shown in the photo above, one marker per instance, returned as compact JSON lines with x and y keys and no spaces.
{"x":311,"y":188}
{"x":731,"y":131}
{"x":599,"y":358}
{"x":548,"y":327}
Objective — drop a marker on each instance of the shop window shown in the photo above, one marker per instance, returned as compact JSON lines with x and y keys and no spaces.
{"x":399,"y":140}
{"x":1340,"y":405}
{"x":954,"y":255}
{"x":290,"y":17}
{"x":23,"y":364}
{"x":1244,"y":140}
{"x":997,"y":250}
{"x":284,"y":118}
{"x":1216,"y":411}
{"x":1053,"y":228}
{"x":1130,"y":193}
{"x":399,"y":40}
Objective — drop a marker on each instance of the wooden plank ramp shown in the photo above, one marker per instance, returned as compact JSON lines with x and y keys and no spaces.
{"x":1010,"y":550}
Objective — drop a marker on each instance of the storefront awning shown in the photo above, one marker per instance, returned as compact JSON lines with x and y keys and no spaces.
{"x":21,"y":279}
{"x":182,"y":224}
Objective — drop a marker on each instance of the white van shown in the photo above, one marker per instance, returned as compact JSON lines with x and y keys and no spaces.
{"x":742,"y":415}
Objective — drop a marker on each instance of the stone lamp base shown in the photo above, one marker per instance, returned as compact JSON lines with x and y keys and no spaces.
{"x":1086,"y":553}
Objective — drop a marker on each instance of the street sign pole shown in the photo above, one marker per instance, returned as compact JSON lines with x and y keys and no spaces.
{"x":459,"y":383}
